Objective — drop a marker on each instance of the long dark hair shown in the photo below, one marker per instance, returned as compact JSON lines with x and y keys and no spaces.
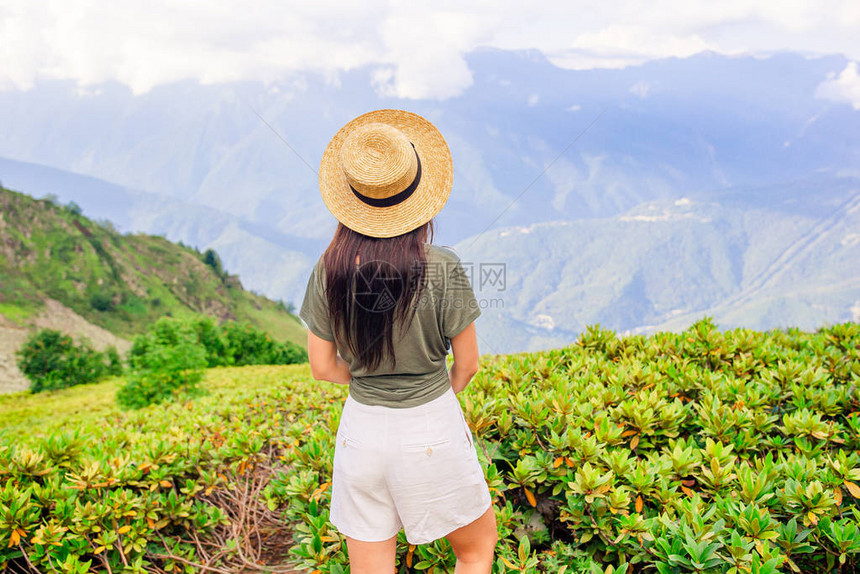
{"x":368,"y":298}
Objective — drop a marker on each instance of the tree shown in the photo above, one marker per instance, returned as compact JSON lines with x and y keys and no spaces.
{"x":166,"y":362}
{"x":74,"y":208}
{"x":211,"y":258}
{"x":52,"y":360}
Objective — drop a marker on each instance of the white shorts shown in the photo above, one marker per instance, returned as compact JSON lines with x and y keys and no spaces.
{"x":414,"y":468}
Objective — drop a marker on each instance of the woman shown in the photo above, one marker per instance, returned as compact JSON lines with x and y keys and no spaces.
{"x":383,"y":306}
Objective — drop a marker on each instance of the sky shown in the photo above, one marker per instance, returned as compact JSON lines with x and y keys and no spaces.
{"x":415,"y":49}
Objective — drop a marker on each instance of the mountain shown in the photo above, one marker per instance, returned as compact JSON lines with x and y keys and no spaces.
{"x":268,"y":260}
{"x":62,"y":270}
{"x":233,"y":166}
{"x":667,"y":263}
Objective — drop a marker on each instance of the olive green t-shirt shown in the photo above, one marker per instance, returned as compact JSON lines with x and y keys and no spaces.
{"x":447,"y":306}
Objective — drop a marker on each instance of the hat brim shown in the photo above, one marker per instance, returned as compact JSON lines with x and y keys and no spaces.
{"x":434,"y":188}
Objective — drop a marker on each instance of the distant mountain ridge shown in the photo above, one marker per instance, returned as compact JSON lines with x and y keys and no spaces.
{"x":666,"y":264}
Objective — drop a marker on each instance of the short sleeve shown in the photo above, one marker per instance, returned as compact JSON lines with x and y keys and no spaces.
{"x":314,"y":311}
{"x":459,"y":305}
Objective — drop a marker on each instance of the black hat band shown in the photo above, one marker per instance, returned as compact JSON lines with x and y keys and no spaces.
{"x":397,"y":197}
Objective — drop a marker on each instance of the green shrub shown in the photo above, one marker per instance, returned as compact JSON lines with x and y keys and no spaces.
{"x":166,"y":362}
{"x":52,"y":360}
{"x":247,"y":345}
{"x":114,"y":362}
{"x":234,"y":344}
{"x":101,"y":301}
{"x":287,"y":353}
{"x":210,"y":337}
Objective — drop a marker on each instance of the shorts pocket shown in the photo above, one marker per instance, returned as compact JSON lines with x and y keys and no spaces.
{"x":351,"y":457}
{"x":343,"y":440}
{"x":427,"y":447}
{"x":345,"y":431}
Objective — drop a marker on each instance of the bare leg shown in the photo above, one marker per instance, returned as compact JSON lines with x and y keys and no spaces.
{"x":371,"y":557}
{"x":474,"y":544}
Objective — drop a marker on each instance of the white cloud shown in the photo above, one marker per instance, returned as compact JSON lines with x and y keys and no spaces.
{"x":843,"y":88}
{"x":533,"y":100}
{"x":574,"y":108}
{"x":621,"y":46}
{"x":418,"y":49}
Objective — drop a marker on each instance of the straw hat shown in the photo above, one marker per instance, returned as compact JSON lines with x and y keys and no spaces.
{"x":386,"y":173}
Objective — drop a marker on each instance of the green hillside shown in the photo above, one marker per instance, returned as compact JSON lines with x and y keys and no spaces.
{"x":119,"y":282}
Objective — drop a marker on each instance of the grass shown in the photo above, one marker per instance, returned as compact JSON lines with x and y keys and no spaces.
{"x":25,"y":415}
{"x":18,"y":313}
{"x":28,"y":417}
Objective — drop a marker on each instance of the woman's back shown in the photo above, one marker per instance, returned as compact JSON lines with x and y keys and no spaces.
{"x":446,"y":306}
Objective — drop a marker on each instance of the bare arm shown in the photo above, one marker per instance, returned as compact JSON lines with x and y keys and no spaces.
{"x":465,"y":348}
{"x":326,"y":364}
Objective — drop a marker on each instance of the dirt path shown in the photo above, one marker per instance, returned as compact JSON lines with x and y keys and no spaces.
{"x":54,"y":316}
